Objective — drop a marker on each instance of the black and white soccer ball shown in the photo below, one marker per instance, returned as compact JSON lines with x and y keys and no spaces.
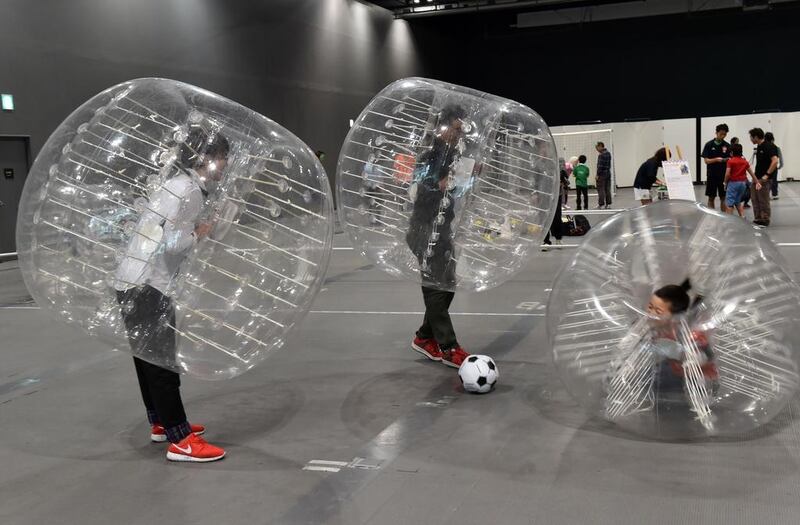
{"x":478,"y":374}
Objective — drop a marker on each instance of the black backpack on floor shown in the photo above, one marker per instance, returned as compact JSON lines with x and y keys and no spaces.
{"x":576,"y":225}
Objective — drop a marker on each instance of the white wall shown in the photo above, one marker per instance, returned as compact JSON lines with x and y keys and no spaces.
{"x":635,"y":142}
{"x":785,"y":126}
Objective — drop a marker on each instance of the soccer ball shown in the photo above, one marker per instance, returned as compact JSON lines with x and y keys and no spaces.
{"x":478,"y":374}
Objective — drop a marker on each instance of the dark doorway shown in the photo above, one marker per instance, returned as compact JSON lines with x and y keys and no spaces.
{"x":14,"y":166}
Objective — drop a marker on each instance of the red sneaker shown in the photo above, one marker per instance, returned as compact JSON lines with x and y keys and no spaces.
{"x":159,"y":435}
{"x":195,"y":449}
{"x":454,"y":357}
{"x":427,"y":347}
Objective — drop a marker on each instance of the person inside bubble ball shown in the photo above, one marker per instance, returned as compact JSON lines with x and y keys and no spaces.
{"x":167,"y":229}
{"x":430,"y":237}
{"x":665,"y":303}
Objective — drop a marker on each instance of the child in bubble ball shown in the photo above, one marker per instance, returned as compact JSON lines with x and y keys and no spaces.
{"x":167,"y":229}
{"x":429,"y":237}
{"x":669,"y":375}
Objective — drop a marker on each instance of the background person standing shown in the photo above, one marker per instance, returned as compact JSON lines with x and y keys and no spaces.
{"x":769,"y":137}
{"x":603,"y":176}
{"x":715,"y":154}
{"x":581,"y":172}
{"x":766,"y":166}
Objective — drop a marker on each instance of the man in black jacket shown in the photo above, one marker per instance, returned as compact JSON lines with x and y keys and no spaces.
{"x":430,"y":238}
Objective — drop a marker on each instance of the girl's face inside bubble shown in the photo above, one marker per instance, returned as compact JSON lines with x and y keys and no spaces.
{"x":660,"y":309}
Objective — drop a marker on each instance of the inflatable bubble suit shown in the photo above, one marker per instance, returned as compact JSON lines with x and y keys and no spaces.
{"x":447,"y":186}
{"x":724,"y":363}
{"x":177,"y":225}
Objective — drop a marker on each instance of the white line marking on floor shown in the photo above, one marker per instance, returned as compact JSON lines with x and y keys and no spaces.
{"x":530,"y":305}
{"x":20,"y":307}
{"x":326,"y":462}
{"x":342,"y":248}
{"x":439,"y":403}
{"x":357,"y":312}
{"x":324,"y":465}
{"x":321,"y":469}
{"x":359,"y":464}
{"x":474,"y":314}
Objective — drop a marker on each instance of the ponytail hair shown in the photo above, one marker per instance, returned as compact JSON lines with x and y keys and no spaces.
{"x":676,"y":295}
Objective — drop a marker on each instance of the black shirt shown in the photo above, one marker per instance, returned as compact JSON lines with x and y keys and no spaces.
{"x":764,"y":153}
{"x":714,"y":150}
{"x":647,"y":174}
{"x":428,"y":203}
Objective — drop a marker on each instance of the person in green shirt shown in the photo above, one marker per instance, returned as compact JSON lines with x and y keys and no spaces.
{"x":581,"y":173}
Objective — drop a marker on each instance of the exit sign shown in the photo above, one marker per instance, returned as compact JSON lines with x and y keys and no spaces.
{"x":7,"y":102}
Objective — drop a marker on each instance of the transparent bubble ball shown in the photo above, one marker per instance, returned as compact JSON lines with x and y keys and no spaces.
{"x":723,"y":367}
{"x":178,"y":225}
{"x":447,"y":186}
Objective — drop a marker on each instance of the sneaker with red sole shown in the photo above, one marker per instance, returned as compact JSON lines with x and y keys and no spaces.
{"x":427,"y":347}
{"x":195,"y":449}
{"x":454,"y":357}
{"x":159,"y":435}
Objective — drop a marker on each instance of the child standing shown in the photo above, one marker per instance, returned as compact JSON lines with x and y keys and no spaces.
{"x":581,"y":173}
{"x":736,"y":180}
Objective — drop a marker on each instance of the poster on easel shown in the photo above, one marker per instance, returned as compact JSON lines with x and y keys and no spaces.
{"x":678,"y":178}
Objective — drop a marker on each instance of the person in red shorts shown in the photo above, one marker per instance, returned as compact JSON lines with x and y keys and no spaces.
{"x":736,"y":180}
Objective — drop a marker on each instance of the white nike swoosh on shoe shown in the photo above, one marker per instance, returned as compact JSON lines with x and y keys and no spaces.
{"x":187,"y":450}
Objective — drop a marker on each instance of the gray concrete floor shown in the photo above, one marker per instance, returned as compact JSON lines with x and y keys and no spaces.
{"x":414,"y":449}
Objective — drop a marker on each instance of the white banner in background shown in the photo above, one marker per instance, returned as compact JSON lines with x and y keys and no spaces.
{"x":678,"y":178}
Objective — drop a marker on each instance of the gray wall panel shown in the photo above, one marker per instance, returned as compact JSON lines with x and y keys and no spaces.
{"x":308,"y":64}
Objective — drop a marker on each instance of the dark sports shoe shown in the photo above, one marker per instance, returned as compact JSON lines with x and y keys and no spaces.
{"x":427,"y":347}
{"x":454,"y":357}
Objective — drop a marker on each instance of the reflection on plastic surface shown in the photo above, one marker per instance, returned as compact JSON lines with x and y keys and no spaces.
{"x":178,"y":224}
{"x":724,"y":366}
{"x":447,"y":186}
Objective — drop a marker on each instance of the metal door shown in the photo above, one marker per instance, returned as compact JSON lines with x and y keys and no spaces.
{"x":14,"y":165}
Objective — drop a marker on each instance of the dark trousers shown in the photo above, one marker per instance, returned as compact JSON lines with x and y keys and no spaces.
{"x":604,"y":190}
{"x":775,"y":185}
{"x":585,"y":192}
{"x":146,"y":313}
{"x":437,"y":324}
{"x":556,"y":228}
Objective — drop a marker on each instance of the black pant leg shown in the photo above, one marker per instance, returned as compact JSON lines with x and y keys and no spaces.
{"x":585,"y":193}
{"x":556,"y":226}
{"x":437,"y":303}
{"x":147,"y":314}
{"x":165,"y":392}
{"x":425,"y":331}
{"x":143,"y":384}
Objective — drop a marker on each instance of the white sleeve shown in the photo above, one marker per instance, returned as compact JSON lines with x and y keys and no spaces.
{"x":179,"y":209}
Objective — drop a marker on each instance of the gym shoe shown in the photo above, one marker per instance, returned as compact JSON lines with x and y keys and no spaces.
{"x":427,"y":347}
{"x":193,"y":448}
{"x":454,"y":357}
{"x":159,"y":435}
